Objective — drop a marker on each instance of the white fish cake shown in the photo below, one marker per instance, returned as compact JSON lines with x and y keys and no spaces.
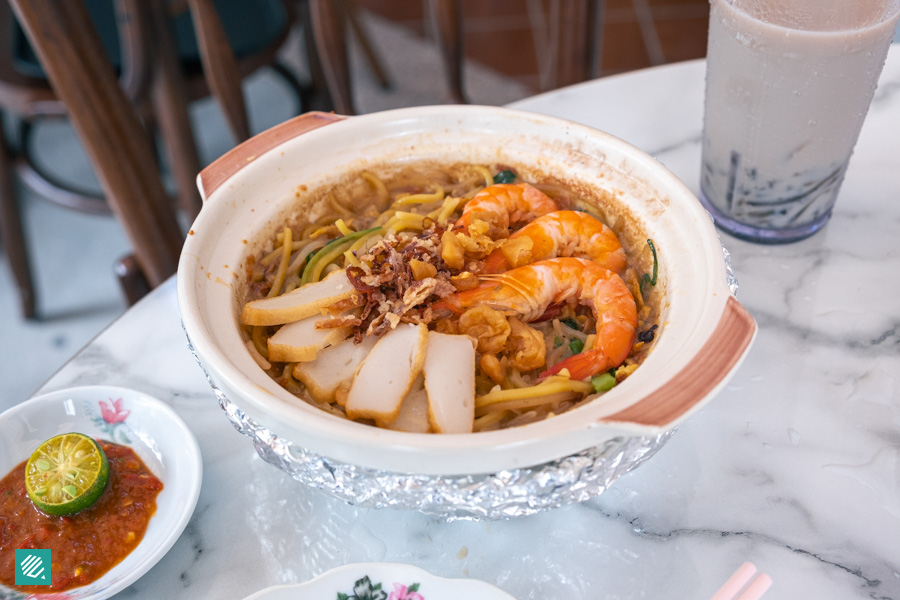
{"x":300,"y":303}
{"x":413,"y":415}
{"x":450,"y":382}
{"x":333,"y":367}
{"x":301,"y":341}
{"x":387,"y":374}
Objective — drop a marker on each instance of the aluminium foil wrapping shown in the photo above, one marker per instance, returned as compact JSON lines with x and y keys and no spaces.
{"x":502,"y":495}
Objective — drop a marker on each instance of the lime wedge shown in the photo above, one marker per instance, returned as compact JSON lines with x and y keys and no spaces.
{"x":66,"y":474}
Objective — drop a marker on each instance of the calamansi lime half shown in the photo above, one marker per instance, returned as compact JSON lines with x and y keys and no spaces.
{"x":66,"y":474}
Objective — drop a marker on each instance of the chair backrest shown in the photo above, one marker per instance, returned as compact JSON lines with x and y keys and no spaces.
{"x":70,"y":50}
{"x":125,"y":38}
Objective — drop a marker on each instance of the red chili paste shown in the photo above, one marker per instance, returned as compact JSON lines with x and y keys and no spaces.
{"x":87,"y":544}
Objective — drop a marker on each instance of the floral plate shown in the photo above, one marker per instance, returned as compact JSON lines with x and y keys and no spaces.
{"x":382,"y":581}
{"x":124,"y":416}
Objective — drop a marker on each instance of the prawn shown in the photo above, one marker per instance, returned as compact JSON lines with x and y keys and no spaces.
{"x":504,"y":203}
{"x":566,"y":233}
{"x":528,"y":291}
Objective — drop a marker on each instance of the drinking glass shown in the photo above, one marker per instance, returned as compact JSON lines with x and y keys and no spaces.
{"x":788,"y":85}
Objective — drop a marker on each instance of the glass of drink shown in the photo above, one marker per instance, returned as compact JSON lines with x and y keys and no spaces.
{"x":788,"y":85}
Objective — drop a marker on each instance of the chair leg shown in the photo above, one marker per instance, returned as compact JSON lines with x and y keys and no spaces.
{"x":131,"y":279}
{"x":446,"y":16}
{"x":12,"y":230}
{"x":574,"y":40}
{"x":319,"y":96}
{"x":220,"y":67}
{"x":349,"y":8}
{"x":71,"y":53}
{"x":170,"y":111}
{"x":327,"y":23}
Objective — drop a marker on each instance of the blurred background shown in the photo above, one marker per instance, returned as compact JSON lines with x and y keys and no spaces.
{"x":511,"y":36}
{"x":394,"y":61}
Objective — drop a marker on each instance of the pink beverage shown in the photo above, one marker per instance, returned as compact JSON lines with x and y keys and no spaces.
{"x":788,"y":85}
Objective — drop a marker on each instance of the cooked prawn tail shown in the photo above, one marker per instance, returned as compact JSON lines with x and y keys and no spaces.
{"x":458,"y":303}
{"x":582,"y":366}
{"x":444,"y":309}
{"x":483,"y":293}
{"x":499,"y":292}
{"x":564,"y":233}
{"x":502,"y":203}
{"x":495,"y":262}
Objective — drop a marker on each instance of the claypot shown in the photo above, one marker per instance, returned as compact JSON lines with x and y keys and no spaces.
{"x":249,"y":192}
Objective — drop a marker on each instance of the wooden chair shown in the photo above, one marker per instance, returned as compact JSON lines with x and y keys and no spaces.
{"x":83,"y":80}
{"x":574,"y":41}
{"x":330,"y":20}
{"x":161,"y":57}
{"x":574,"y":36}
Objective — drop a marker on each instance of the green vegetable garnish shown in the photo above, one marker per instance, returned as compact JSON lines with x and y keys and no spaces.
{"x":330,"y":247}
{"x":571,"y":323}
{"x":576,"y":346}
{"x":557,"y":342}
{"x":603,"y":382}
{"x":646,"y":278}
{"x":506,"y":176}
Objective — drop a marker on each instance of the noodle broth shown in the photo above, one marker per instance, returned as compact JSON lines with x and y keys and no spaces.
{"x":396,"y":233}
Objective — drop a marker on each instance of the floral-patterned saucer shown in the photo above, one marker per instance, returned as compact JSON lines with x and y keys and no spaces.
{"x":382,"y":581}
{"x":124,"y":416}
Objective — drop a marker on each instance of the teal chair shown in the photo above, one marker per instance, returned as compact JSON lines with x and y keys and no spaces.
{"x":166,"y":55}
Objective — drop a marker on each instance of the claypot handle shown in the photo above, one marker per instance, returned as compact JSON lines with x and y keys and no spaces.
{"x":718,"y":357}
{"x":220,"y":170}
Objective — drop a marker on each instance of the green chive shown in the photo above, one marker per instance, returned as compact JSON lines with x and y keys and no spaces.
{"x":576,"y":346}
{"x":506,"y":176}
{"x":603,"y":382}
{"x":646,"y":278}
{"x":569,"y":321}
{"x":324,"y":250}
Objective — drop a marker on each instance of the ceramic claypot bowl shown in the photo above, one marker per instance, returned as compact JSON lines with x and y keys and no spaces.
{"x":250,"y":192}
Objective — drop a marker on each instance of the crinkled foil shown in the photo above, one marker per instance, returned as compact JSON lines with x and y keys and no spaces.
{"x":502,"y":495}
{"x":730,"y":277}
{"x":506,"y":494}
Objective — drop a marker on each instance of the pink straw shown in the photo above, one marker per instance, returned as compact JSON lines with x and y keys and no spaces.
{"x":757,"y":588}
{"x":735,"y":583}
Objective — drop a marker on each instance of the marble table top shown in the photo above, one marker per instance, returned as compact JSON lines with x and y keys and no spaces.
{"x":795,"y":466}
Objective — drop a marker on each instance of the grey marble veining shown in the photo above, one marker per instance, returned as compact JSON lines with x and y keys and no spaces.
{"x":794,"y":466}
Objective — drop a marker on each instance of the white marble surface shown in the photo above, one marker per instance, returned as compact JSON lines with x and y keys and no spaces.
{"x":795,"y":466}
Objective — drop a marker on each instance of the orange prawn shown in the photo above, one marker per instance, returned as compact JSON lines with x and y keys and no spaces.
{"x":527,"y":292}
{"x":566,"y":233}
{"x":504,"y":203}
